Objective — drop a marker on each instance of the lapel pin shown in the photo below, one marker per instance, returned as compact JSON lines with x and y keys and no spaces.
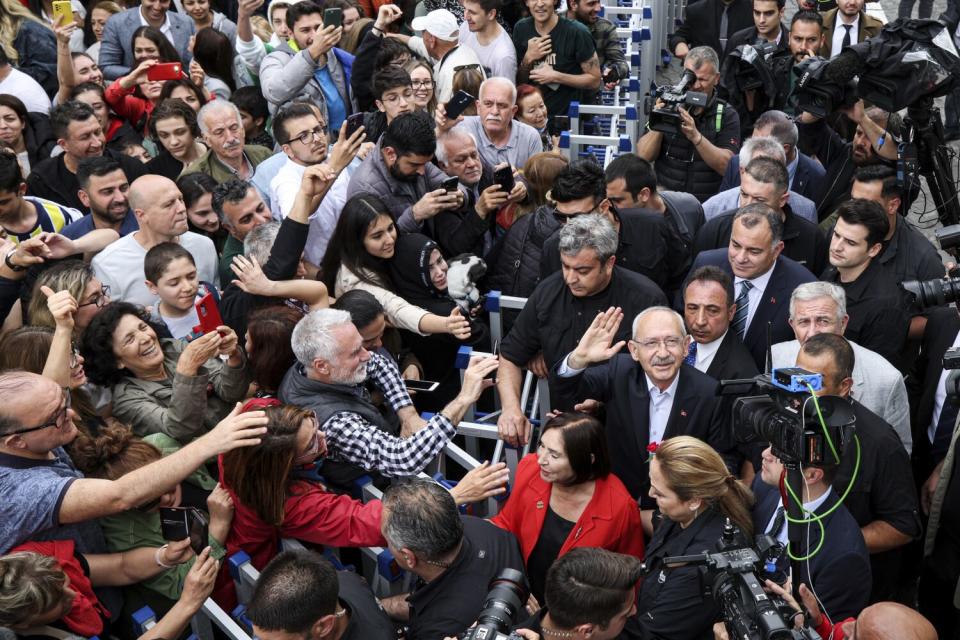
{"x":683,"y":413}
{"x":539,"y":504}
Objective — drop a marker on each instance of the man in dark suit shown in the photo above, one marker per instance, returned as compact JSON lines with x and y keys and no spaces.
{"x":841,"y":566}
{"x":703,"y":25}
{"x":708,"y":310}
{"x":645,"y":404}
{"x":116,"y":55}
{"x":804,"y":172}
{"x":763,"y":279}
{"x":848,"y":18}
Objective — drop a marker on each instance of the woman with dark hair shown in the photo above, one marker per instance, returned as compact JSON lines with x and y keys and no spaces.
{"x":184,"y":89}
{"x":162,"y":386}
{"x":28,"y":134}
{"x":149,"y":43}
{"x":362,"y":243}
{"x":225,"y":72}
{"x":197,"y":190}
{"x":205,"y":16}
{"x":565,"y":496}
{"x":118,"y":131}
{"x":695,"y":495}
{"x":95,"y":24}
{"x":134,"y":96}
{"x":269,"y":351}
{"x":173,"y":126}
{"x":418,"y":272}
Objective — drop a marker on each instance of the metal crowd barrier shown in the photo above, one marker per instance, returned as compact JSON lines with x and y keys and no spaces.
{"x":201,"y":625}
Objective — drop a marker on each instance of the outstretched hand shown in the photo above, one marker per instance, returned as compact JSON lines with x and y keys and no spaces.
{"x":597,"y":344}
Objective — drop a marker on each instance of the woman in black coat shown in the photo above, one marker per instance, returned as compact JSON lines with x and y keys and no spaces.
{"x":28,"y":134}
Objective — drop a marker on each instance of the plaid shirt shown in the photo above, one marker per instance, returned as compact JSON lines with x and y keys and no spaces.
{"x":350,"y":437}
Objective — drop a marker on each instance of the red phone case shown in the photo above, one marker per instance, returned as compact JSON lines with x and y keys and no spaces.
{"x":165,"y":71}
{"x":209,"y":314}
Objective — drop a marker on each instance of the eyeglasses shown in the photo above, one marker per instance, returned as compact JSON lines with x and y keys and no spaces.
{"x":317,"y":133}
{"x":671,"y":343}
{"x":564,"y":218}
{"x":422,"y":84}
{"x":100,"y":299}
{"x":56,"y":421}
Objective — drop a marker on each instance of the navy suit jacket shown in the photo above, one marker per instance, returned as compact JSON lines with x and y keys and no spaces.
{"x":774,"y":307}
{"x":622,"y":385}
{"x":840,"y":570}
{"x":116,"y":55}
{"x":807,"y":181}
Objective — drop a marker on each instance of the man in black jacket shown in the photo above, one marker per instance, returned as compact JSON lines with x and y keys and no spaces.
{"x":705,"y":22}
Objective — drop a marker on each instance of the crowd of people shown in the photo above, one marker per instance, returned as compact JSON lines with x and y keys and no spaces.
{"x":235,"y":233}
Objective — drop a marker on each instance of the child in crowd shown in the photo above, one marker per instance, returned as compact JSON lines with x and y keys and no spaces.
{"x":171,"y":275}
{"x":254,"y":114}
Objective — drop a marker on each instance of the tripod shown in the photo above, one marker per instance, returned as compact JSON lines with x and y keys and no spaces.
{"x":922,"y":151}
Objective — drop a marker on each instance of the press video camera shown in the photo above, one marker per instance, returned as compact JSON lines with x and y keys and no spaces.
{"x":505,"y":601}
{"x":754,"y":65}
{"x":786,"y":416}
{"x":730,"y":576}
{"x":666,"y":118}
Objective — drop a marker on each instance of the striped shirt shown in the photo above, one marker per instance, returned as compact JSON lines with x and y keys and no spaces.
{"x":51,"y":218}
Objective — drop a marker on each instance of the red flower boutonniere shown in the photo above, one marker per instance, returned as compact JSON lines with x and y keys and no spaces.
{"x":652,"y":450}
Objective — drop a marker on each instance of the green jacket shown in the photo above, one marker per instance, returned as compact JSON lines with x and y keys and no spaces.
{"x":213,"y":167}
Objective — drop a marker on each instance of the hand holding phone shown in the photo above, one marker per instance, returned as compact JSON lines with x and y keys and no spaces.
{"x":209,"y":315}
{"x":354,"y":122}
{"x":165,"y":71}
{"x":450,"y":184}
{"x":458,"y":104}
{"x":333,"y":17}
{"x":504,"y":177}
{"x":62,"y":9}
{"x":180,"y":523}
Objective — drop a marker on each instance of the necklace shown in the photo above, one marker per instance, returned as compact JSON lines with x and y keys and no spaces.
{"x":557,"y":634}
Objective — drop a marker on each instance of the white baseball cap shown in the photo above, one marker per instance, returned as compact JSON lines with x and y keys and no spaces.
{"x":440,"y":23}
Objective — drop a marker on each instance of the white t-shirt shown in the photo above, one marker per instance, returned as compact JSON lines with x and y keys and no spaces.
{"x":120,"y":266}
{"x":29,"y":91}
{"x":499,"y":58}
{"x":181,"y":327}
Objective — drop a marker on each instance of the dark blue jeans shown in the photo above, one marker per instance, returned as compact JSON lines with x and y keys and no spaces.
{"x":906,"y":8}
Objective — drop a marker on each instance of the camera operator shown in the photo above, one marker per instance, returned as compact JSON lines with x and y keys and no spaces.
{"x":840,"y":564}
{"x":589,"y":593}
{"x":883,"y":500}
{"x":873,"y":143}
{"x":806,"y":38}
{"x":695,"y":159}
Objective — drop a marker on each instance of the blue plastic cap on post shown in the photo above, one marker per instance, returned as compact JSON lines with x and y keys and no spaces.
{"x":635,"y":84}
{"x":636,"y":36}
{"x":238,"y":612}
{"x":574,"y":110}
{"x":635,"y":59}
{"x":142,"y":616}
{"x":645,"y":33}
{"x":388,"y":567}
{"x":648,"y":13}
{"x":236,"y":561}
{"x":564,"y":139}
{"x":492,"y":302}
{"x":463,"y":357}
{"x":626,"y":145}
{"x":631,"y":112}
{"x":359,"y":484}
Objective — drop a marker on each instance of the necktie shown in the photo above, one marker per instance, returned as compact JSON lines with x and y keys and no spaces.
{"x":691,"y":358}
{"x":743,"y":309}
{"x":778,"y":521}
{"x":725,"y":26}
{"x":945,"y":426}
{"x":846,"y":36}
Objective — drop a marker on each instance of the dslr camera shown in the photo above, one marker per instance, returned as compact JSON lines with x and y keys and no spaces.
{"x":506,"y":598}
{"x":666,"y":119}
{"x":786,"y":417}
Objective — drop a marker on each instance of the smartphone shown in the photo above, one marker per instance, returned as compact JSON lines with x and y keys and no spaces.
{"x":333,"y":17}
{"x":180,"y":523}
{"x":611,"y":75}
{"x":165,"y":71}
{"x":561,"y":123}
{"x":209,"y":315}
{"x":62,"y":8}
{"x":422,"y":386}
{"x":458,"y":103}
{"x":199,"y":530}
{"x":354,"y":122}
{"x":450,"y":184}
{"x":504,"y":177}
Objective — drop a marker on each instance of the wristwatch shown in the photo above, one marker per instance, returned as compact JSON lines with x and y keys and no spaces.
{"x":9,"y":263}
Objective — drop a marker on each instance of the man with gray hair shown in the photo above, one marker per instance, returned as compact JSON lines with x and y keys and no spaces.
{"x":666,"y":398}
{"x":821,"y":307}
{"x":454,"y":556}
{"x":561,"y":308}
{"x":729,"y":196}
{"x":805,"y":172}
{"x":240,"y":209}
{"x":499,"y":137}
{"x":765,"y":181}
{"x":329,"y":376}
{"x":227,"y":156}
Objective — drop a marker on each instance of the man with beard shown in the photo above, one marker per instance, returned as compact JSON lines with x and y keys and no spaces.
{"x":103,"y":188}
{"x":609,"y":51}
{"x":399,"y":172}
{"x":228,"y":157}
{"x":873,"y":143}
{"x":327,"y":377}
{"x":845,"y":25}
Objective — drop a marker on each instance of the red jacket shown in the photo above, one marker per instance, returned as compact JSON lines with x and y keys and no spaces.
{"x":829,"y":631}
{"x":611,"y":520}
{"x":311,"y":514}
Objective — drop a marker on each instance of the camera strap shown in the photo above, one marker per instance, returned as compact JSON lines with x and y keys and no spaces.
{"x":718,"y":120}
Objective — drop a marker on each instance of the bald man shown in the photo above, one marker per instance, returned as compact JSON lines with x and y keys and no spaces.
{"x":158,"y":207}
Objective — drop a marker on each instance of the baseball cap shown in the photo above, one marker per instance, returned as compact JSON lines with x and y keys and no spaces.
{"x":440,"y":23}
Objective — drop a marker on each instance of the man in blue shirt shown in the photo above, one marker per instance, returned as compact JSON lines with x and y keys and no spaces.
{"x":103,"y":190}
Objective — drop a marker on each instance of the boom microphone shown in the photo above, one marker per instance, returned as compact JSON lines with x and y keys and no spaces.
{"x":844,"y":67}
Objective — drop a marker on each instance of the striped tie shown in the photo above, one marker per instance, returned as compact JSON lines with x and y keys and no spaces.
{"x":743,"y":309}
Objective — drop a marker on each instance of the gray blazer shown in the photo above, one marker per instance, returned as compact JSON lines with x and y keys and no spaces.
{"x":877,"y":385}
{"x":116,"y":55}
{"x":287,"y":75}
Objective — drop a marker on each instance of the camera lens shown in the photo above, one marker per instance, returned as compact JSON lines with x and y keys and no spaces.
{"x":505,"y":600}
{"x":933,"y":293}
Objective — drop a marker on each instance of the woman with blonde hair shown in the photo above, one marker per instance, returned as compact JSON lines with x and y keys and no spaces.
{"x":29,"y":44}
{"x":540,"y":171}
{"x":695,"y":495}
{"x":78,"y":278}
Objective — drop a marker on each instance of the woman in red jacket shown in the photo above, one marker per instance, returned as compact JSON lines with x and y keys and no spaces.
{"x":564,"y":496}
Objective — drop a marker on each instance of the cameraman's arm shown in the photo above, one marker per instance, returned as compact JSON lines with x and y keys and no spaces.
{"x":887,"y":148}
{"x":714,"y":156}
{"x":648,"y":146}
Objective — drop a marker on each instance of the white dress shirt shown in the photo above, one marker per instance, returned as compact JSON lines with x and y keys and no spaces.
{"x":755,"y":295}
{"x":661,"y":403}
{"x":165,"y":29}
{"x":808,"y":507}
{"x":706,"y":352}
{"x":836,"y":45}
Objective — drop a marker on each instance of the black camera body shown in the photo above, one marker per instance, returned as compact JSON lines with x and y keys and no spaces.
{"x":502,"y":607}
{"x":786,"y":417}
{"x":754,"y":65}
{"x":818,"y":94}
{"x":730,"y":578}
{"x":666,"y":119}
